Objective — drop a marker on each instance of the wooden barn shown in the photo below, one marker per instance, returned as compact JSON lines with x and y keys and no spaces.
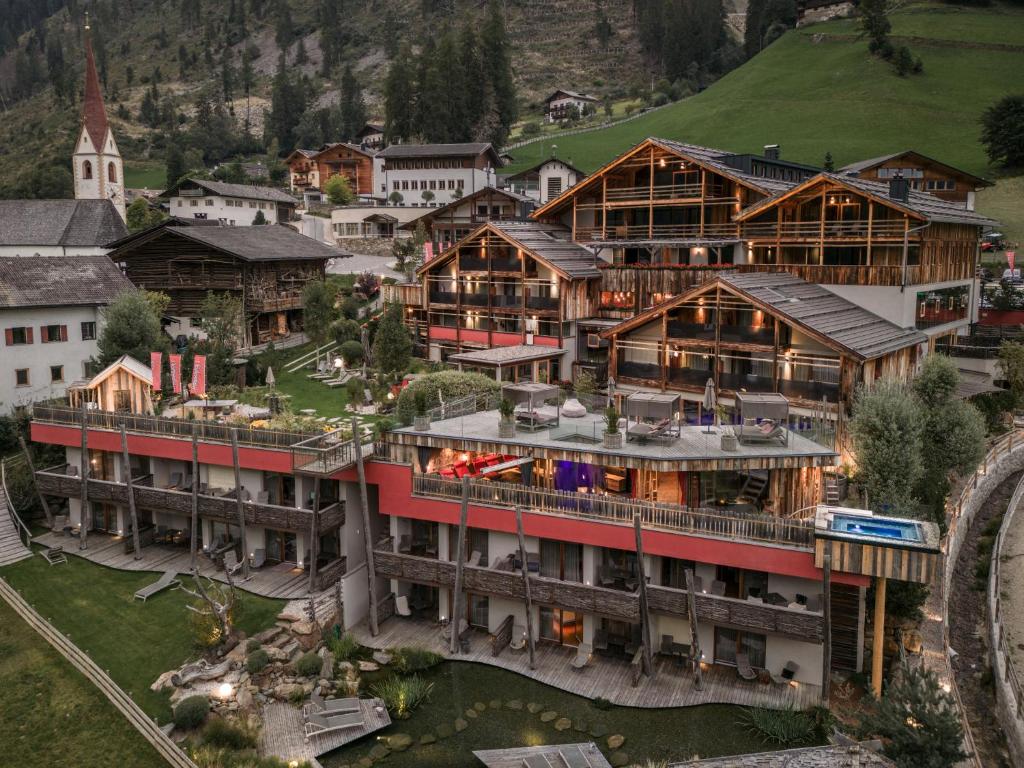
{"x":124,"y":386}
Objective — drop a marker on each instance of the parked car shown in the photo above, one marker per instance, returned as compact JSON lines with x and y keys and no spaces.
{"x":1012,"y":276}
{"x":993,"y":241}
{"x":983,"y":274}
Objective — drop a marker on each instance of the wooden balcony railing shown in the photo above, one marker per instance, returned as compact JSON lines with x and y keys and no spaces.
{"x":408,"y":294}
{"x":617,"y":604}
{"x":55,"y":481}
{"x":327,"y":453}
{"x":708,"y":231}
{"x":612,"y":509}
{"x":830,"y":230}
{"x":164,"y":427}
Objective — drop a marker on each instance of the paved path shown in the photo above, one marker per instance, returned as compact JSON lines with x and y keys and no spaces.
{"x":362,"y":262}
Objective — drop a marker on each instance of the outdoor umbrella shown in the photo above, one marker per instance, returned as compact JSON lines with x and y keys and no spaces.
{"x":710,"y":400}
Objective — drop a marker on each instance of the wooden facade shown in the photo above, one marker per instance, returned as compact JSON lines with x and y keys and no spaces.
{"x":887,"y":562}
{"x":923,"y":173}
{"x":311,"y":169}
{"x":123,"y":386}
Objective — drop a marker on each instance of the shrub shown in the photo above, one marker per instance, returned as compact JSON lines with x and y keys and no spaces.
{"x":257,"y":661}
{"x":344,"y":648}
{"x":191,"y":712}
{"x":451,"y":385}
{"x":787,"y":727}
{"x":308,"y":665}
{"x":602,"y":703}
{"x":230,"y":734}
{"x":252,"y":645}
{"x":411,"y":659}
{"x":402,"y":695}
{"x":352,"y":352}
{"x":297,"y":696}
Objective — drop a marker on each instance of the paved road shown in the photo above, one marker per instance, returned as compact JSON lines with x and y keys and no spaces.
{"x":361,"y":262}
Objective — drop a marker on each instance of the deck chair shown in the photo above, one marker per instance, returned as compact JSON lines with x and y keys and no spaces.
{"x":54,"y":555}
{"x":317,"y":724}
{"x":718,"y":588}
{"x":231,"y":562}
{"x":175,"y":479}
{"x":787,"y":674}
{"x":743,"y":668}
{"x":402,"y":606}
{"x":258,"y":559}
{"x":319,"y":705}
{"x":666,"y":644}
{"x":765,"y":432}
{"x":583,"y":653}
{"x":518,"y":640}
{"x":168,"y":579}
{"x":474,"y":558}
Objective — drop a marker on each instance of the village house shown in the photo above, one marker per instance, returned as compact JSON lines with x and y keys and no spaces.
{"x":453,"y":221}
{"x":310,"y":169}
{"x":58,"y":227}
{"x":230,"y":204}
{"x":562,"y":105}
{"x":544,"y":181}
{"x":922,"y":173}
{"x":371,"y":136}
{"x":371,"y":220}
{"x":430,"y":175}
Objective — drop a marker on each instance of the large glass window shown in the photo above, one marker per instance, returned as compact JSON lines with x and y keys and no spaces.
{"x":729,"y":642}
{"x":945,"y":305}
{"x":560,"y":626}
{"x":560,"y":560}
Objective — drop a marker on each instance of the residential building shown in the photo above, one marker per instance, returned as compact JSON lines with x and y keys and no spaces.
{"x":310,"y":169}
{"x":96,"y":166}
{"x":51,"y":316}
{"x":545,"y":181}
{"x":230,"y":204}
{"x":265,"y":267}
{"x":371,"y":220}
{"x":58,"y":227}
{"x":371,"y":136}
{"x":456,"y":219}
{"x":427,"y":175}
{"x":562,"y":105}
{"x":921,"y":173}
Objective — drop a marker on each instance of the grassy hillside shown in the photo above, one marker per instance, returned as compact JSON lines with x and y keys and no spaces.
{"x":817,"y":90}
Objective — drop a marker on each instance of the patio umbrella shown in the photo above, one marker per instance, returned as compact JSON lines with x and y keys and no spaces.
{"x":710,"y":400}
{"x":270,"y":378}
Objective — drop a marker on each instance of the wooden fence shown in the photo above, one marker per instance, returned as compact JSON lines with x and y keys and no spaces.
{"x":160,"y":741}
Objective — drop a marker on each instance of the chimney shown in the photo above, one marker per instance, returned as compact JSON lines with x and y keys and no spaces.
{"x":899,"y":188}
{"x":772,"y":152}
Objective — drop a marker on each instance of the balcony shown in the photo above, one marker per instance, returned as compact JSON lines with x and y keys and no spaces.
{"x":830,"y":230}
{"x":442,"y":297}
{"x":506,"y":265}
{"x":547,"y":303}
{"x":327,"y":453}
{"x":56,"y":481}
{"x":474,"y":299}
{"x":677,"y":329}
{"x":645,"y":192}
{"x":470,"y":263}
{"x":725,"y":233}
{"x":407,"y":294}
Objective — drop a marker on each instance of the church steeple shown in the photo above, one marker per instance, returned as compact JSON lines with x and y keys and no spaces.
{"x":98,"y":170}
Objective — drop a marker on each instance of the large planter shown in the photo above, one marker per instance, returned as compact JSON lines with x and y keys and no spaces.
{"x":730,"y":442}
{"x":421,"y":423}
{"x":506,"y":429}
{"x":612,"y":440}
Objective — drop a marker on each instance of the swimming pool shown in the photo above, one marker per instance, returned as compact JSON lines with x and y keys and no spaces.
{"x":877,"y":527}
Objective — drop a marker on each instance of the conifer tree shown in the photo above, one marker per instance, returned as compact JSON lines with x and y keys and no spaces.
{"x":497,"y":68}
{"x":399,"y":102}
{"x":353,"y":108}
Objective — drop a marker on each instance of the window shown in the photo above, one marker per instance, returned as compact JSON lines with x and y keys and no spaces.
{"x":194,"y":203}
{"x":554,"y":187}
{"x":209,"y":202}
{"x":122,"y":400}
{"x":943,"y":305}
{"x":53,"y":333}
{"x":729,"y":642}
{"x":394,"y":185}
{"x":56,"y":373}
{"x":180,"y":202}
{"x":111,"y":172}
{"x":15,"y":336}
{"x":86,"y":170}
{"x":940,"y":184}
{"x":88,"y":330}
{"x":252,"y":204}
{"x":21,"y":377}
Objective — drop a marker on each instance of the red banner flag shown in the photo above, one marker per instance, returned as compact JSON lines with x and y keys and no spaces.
{"x":198,"y":386}
{"x":156,"y":363}
{"x":1011,"y":256}
{"x":428,"y":251}
{"x":175,"y":362}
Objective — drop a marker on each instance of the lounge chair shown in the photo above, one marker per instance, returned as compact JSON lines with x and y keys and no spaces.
{"x":765,"y":432}
{"x":643,"y":431}
{"x":474,"y":558}
{"x":666,"y":644}
{"x":59,"y":521}
{"x":259,"y":557}
{"x":175,"y":480}
{"x":405,"y":543}
{"x":788,"y":673}
{"x":518,"y":640}
{"x":169,"y":578}
{"x":402,"y":606}
{"x":317,"y":724}
{"x":583,"y":653}
{"x":718,"y":588}
{"x":743,"y":668}
{"x":319,"y":705}
{"x":54,"y":555}
{"x":263,"y":497}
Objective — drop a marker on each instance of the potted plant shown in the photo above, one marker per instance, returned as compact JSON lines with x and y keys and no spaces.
{"x":612,"y":435}
{"x":729,"y":440}
{"x":421,"y":422}
{"x":507,"y":424}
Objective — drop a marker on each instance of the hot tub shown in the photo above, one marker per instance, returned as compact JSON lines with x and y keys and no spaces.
{"x":878,"y":527}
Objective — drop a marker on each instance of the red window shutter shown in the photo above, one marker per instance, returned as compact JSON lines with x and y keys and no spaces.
{"x":28,"y":335}
{"x":44,"y":334}
{"x":63,"y":333}
{"x":9,"y":336}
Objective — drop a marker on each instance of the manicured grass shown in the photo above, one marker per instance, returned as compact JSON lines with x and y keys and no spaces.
{"x":659,"y":734}
{"x":140,"y":174}
{"x":134,"y":641}
{"x":814,"y":95}
{"x":1005,"y":203}
{"x":50,"y":714}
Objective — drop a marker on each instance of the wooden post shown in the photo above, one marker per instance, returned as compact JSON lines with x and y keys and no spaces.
{"x":526,"y":586}
{"x":32,"y":471}
{"x":645,"y":616}
{"x":460,"y":559}
{"x":83,"y":524}
{"x":194,"y":528}
{"x":314,"y":534}
{"x":240,"y":505}
{"x":695,"y":652}
{"x":126,"y":470}
{"x":371,"y":571}
{"x":877,"y":655}
{"x":826,"y":601}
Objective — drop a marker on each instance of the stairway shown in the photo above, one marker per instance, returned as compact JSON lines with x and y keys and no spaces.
{"x":12,"y":548}
{"x":755,"y":485}
{"x":831,"y":489}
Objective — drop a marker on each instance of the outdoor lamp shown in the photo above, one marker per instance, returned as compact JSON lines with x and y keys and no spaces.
{"x":224,"y":690}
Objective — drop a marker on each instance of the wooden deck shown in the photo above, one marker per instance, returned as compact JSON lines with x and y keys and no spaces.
{"x":604,"y":677}
{"x":283,"y":735}
{"x":516,"y":756}
{"x":280,"y":581}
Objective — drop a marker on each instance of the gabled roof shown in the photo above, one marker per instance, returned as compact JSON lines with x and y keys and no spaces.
{"x":59,"y":281}
{"x":348,"y":145}
{"x":370,"y":128}
{"x":569,"y":94}
{"x":269,"y":242}
{"x":544,"y":162}
{"x":873,"y":162}
{"x":921,"y":205}
{"x":59,"y":222}
{"x":549,"y":244}
{"x":433,"y":213}
{"x":836,"y":322}
{"x":471,"y":149}
{"x":225,"y":189}
{"x":94,"y":114}
{"x":309,"y":154}
{"x":126,"y":363}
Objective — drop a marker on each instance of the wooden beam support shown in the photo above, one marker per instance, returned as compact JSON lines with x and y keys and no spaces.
{"x":526,"y":587}
{"x":32,"y":471}
{"x":460,"y":561}
{"x":695,"y":652}
{"x":826,"y":598}
{"x":364,"y":509}
{"x":83,"y":524}
{"x":126,"y":470}
{"x":645,"y":614}
{"x":194,"y":527}
{"x":314,"y":535}
{"x":239,"y":504}
{"x":878,"y":644}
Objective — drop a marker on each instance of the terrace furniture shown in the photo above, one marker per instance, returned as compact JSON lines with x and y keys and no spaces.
{"x":814,"y":603}
{"x":601,"y":640}
{"x":263,"y":497}
{"x":743,"y":668}
{"x":518,"y":641}
{"x":259,"y":557}
{"x":583,"y":653}
{"x":775,"y":598}
{"x":718,"y":588}
{"x":788,"y":673}
{"x":231,"y":562}
{"x":474,"y":558}
{"x":613,"y":482}
{"x":54,"y":555}
{"x":667,"y":641}
{"x":765,"y":432}
{"x":59,"y":522}
{"x":698,"y":584}
{"x":528,"y":396}
{"x":405,"y":543}
{"x":318,"y":704}
{"x":604,"y":577}
{"x":317,"y":725}
{"x":165,"y":581}
{"x":573,"y":409}
{"x":175,"y":480}
{"x":534,"y":419}
{"x":402,"y":606}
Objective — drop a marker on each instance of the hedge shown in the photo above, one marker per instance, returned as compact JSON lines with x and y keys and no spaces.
{"x":452,"y":385}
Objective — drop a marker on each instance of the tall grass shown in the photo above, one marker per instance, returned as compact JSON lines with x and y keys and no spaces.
{"x":786,"y":727}
{"x":402,"y":695}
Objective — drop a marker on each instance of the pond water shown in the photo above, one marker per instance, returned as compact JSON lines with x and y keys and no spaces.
{"x":501,"y":701}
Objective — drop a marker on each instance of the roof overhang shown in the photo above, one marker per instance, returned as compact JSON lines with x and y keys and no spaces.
{"x":763,"y":205}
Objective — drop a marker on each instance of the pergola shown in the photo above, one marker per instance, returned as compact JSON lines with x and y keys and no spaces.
{"x":659,"y":407}
{"x":533,"y":394}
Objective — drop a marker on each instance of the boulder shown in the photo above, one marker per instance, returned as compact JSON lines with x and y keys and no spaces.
{"x":548,"y":716}
{"x":472,"y":714}
{"x":460,"y":725}
{"x":244,"y":698}
{"x":382,"y":657}
{"x":303,"y":628}
{"x":615,"y":741}
{"x":266,"y":635}
{"x":237,"y":654}
{"x":368,"y":666}
{"x":427,"y":738}
{"x":400,"y":742}
{"x":515,"y":705}
{"x":164,"y":681}
{"x":291,"y":613}
{"x":618,"y":759}
{"x":307,"y":642}
{"x":563,"y":724}
{"x":285,"y":691}
{"x":276,"y":654}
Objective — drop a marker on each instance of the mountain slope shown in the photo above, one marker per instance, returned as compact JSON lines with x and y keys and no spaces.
{"x":817,"y":90}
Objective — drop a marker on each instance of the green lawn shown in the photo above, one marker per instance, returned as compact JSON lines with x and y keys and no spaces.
{"x":659,"y":734}
{"x":1005,"y":203}
{"x":134,"y":641}
{"x":50,"y":714}
{"x":814,"y":95}
{"x":142,"y":174}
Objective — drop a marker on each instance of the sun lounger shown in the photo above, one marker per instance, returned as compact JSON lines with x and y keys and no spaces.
{"x":165,"y":581}
{"x":583,"y":653}
{"x":743,"y":668}
{"x":765,"y":432}
{"x":317,"y":724}
{"x":54,"y":555}
{"x":518,"y":641}
{"x":319,"y":705}
{"x":402,"y":606}
{"x":788,"y":673}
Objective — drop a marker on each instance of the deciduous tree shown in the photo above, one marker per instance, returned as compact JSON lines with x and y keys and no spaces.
{"x":131,"y":326}
{"x":392,"y":346}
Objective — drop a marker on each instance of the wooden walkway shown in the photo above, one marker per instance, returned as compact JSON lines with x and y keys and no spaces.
{"x":283,"y":735}
{"x":12,"y":548}
{"x":103,"y":549}
{"x":604,"y":677}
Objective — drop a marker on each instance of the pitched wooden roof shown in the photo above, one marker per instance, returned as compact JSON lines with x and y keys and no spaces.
{"x":269,"y":242}
{"x":436,"y":213}
{"x":226,"y":189}
{"x":873,"y":162}
{"x":59,"y":281}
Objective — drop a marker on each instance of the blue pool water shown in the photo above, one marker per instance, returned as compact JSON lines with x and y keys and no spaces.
{"x":881,"y":528}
